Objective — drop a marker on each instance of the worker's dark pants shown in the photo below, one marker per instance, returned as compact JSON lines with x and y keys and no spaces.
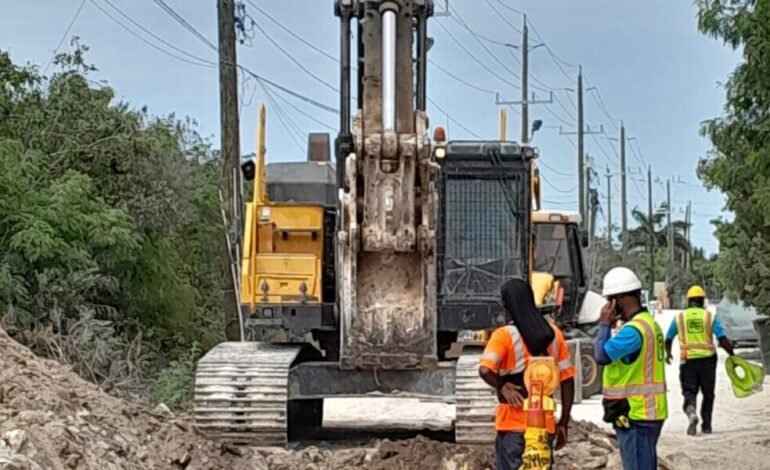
{"x":695,"y":375}
{"x":509,"y":450}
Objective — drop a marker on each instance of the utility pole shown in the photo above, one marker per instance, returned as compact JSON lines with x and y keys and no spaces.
{"x":687,"y":222}
{"x":652,"y":231}
{"x":592,"y":199}
{"x":503,"y":125}
{"x":668,"y":221}
{"x":231,"y":156}
{"x":623,"y":198}
{"x":609,"y":207}
{"x":581,"y":156}
{"x":524,"y":82}
{"x":582,"y":131}
{"x":526,"y":100}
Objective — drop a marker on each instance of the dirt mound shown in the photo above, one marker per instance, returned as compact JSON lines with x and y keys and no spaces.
{"x":52,"y":419}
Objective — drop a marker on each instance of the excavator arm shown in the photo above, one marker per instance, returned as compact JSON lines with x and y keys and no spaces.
{"x":386,"y":177}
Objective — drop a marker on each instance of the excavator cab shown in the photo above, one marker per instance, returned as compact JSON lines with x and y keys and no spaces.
{"x":558,"y":262}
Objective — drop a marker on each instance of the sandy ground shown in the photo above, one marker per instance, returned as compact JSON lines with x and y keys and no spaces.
{"x":741,"y":439}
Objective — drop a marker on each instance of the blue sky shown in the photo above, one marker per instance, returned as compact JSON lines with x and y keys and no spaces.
{"x":651,"y":67}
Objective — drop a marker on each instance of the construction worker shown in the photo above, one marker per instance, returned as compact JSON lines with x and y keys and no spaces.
{"x":695,"y":327}
{"x":502,"y":366}
{"x":634,"y":379}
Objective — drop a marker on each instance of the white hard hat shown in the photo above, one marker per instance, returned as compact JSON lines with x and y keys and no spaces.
{"x":620,"y":281}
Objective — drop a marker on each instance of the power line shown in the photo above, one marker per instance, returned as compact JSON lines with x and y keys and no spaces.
{"x":292,"y":33}
{"x":244,"y":69}
{"x":552,"y":170}
{"x":306,"y":114}
{"x":570,"y":191}
{"x":294,"y":59}
{"x":184,"y":23}
{"x":555,"y":58}
{"x":462,"y":80}
{"x":64,"y":36}
{"x":637,"y":151}
{"x":158,"y":38}
{"x":457,"y":18}
{"x":559,"y":118}
{"x":469,"y":84}
{"x":285,"y":122}
{"x":476,"y":59}
{"x":604,"y":153}
{"x":144,"y":40}
{"x":453,"y":120}
{"x":561,"y":105}
{"x":597,"y":97}
{"x":508,"y":7}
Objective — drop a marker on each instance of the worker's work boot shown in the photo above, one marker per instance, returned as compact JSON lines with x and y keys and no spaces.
{"x":706,"y":430}
{"x":692,"y":429}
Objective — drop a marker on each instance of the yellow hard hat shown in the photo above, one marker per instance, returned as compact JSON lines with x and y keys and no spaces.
{"x":696,"y":292}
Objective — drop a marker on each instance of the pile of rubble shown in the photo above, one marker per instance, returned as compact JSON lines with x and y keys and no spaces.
{"x":52,"y":419}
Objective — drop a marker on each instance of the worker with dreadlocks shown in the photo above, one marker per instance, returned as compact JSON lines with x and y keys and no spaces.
{"x":504,"y":362}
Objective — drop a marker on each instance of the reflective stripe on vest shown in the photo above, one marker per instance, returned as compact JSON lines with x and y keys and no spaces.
{"x":642,"y":382}
{"x":561,"y":365}
{"x":519,"y":354}
{"x":695,"y":342}
{"x":517,"y":348}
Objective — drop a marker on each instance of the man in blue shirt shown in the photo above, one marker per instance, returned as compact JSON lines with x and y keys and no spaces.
{"x":637,"y":438}
{"x":698,"y":370}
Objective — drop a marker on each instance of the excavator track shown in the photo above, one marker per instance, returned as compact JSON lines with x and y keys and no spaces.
{"x":475,"y":402}
{"x":241,"y":393}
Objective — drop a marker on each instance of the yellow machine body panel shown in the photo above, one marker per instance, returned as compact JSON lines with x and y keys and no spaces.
{"x":286,"y":254}
{"x":283,"y":245}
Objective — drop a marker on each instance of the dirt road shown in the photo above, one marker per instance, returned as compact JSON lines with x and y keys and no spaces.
{"x":741,"y":439}
{"x":52,"y":419}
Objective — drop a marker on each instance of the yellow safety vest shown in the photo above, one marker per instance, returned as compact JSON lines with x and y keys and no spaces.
{"x":695,"y":327}
{"x":643,"y":381}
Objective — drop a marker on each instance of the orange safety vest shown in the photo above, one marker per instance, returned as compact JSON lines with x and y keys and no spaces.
{"x":506,"y":354}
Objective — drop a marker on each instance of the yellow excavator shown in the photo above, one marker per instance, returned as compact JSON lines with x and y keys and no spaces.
{"x":363,"y":283}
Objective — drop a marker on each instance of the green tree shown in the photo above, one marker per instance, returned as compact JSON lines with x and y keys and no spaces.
{"x":639,"y":236}
{"x":739,"y":164}
{"x":109,"y":227}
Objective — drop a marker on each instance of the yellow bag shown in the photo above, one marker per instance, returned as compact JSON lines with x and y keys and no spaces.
{"x":537,"y":450}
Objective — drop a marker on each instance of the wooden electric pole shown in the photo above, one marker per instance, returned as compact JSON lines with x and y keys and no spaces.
{"x":525,"y":99}
{"x":231,"y":156}
{"x":687,"y":224}
{"x":524,"y":82}
{"x":580,"y":149}
{"x":652,"y":231}
{"x":670,"y":234}
{"x":623,"y":197}
{"x":609,"y":207}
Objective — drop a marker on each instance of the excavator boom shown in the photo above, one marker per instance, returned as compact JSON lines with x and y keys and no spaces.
{"x":386,"y":238}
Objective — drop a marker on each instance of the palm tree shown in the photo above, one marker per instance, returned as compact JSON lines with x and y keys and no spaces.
{"x":639,"y":237}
